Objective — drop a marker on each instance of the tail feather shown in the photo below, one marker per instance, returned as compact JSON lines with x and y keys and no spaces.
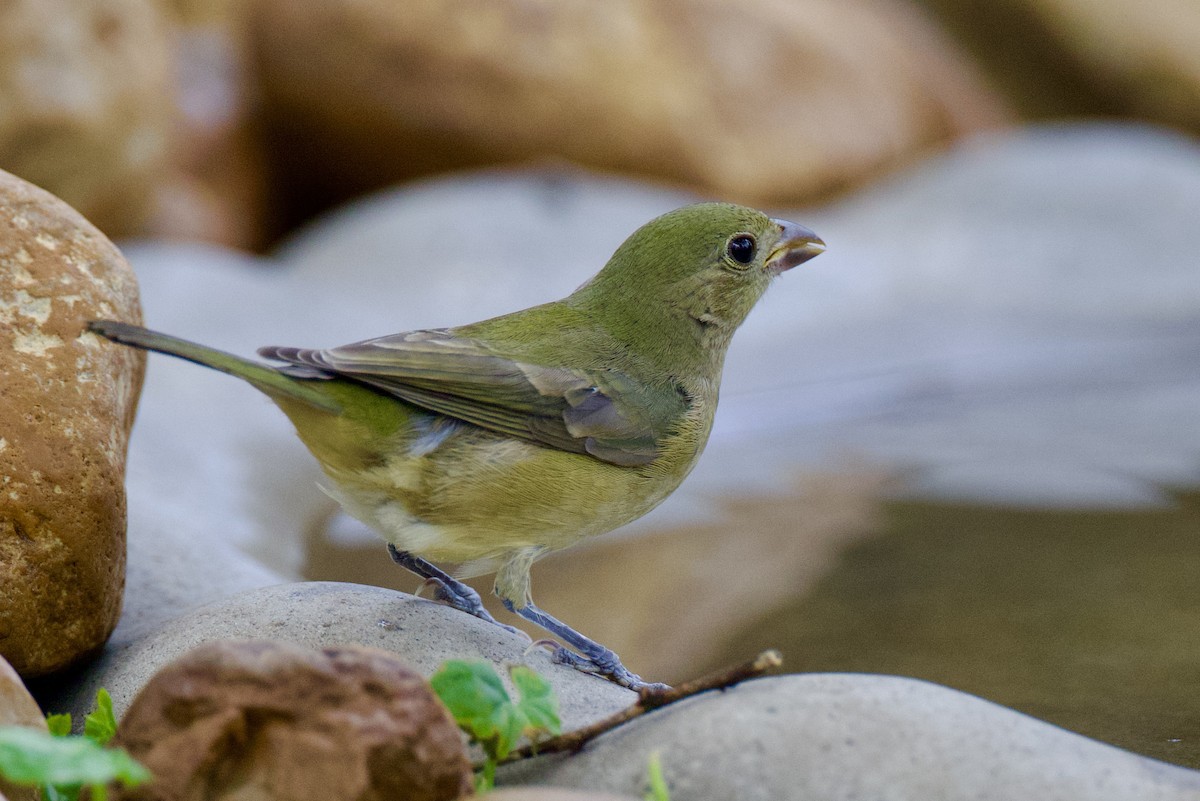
{"x":263,"y":376}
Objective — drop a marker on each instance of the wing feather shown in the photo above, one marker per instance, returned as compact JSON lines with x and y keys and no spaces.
{"x":604,"y":413}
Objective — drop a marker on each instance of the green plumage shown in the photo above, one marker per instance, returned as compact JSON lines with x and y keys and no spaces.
{"x":490,"y":444}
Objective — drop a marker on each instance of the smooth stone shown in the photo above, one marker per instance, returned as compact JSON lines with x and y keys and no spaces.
{"x":328,"y":615}
{"x":68,"y":405}
{"x":220,"y":491}
{"x":748,"y":121}
{"x":821,"y":737}
{"x":554,"y":794}
{"x":1074,"y":58}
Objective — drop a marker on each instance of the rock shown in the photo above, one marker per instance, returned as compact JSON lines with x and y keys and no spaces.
{"x":217,"y":190}
{"x":774,"y":102}
{"x":17,"y":708}
{"x":85,"y":89}
{"x":834,"y":736}
{"x":1076,"y":58}
{"x":67,"y":402}
{"x":328,"y":615}
{"x":275,"y":721}
{"x":553,"y":794}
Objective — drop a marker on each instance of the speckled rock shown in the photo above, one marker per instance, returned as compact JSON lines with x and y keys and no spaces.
{"x":67,"y":402}
{"x":17,"y":708}
{"x":766,"y":102}
{"x":827,"y":737}
{"x":86,"y":98}
{"x":270,"y":720}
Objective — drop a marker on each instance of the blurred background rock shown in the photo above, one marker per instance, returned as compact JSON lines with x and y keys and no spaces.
{"x":960,"y":446}
{"x":231,"y":122}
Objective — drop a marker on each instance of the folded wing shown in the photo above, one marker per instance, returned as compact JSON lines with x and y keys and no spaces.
{"x":603,"y":413}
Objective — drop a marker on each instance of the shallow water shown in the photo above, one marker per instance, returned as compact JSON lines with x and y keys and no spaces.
{"x":1087,"y":619}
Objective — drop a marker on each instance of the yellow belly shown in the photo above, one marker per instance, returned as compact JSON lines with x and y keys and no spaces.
{"x":476,"y":497}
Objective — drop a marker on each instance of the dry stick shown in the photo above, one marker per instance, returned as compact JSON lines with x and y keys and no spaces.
{"x":572,"y":741}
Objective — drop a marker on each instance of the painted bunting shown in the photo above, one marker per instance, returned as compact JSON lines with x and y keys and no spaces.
{"x":494,"y":443}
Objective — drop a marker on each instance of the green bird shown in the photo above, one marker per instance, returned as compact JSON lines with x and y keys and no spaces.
{"x":491,"y":444}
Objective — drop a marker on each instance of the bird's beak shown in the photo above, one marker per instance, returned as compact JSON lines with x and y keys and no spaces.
{"x":796,"y":245}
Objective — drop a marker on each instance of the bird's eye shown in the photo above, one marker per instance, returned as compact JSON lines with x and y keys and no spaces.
{"x":741,"y":248}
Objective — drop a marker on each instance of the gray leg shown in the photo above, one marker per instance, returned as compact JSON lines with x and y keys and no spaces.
{"x":512,"y":586}
{"x":449,"y":589}
{"x":592,"y":657}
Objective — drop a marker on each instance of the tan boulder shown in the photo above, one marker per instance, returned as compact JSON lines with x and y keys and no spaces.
{"x":86,"y":98}
{"x":767,"y":102}
{"x":272,"y":720}
{"x":67,"y":402}
{"x":1142,"y":55}
{"x":1080,"y":57}
{"x":217,"y":190}
{"x":17,"y":708}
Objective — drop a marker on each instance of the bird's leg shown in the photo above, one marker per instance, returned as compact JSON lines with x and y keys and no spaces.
{"x":446,"y":588}
{"x":592,"y":657}
{"x":512,"y":587}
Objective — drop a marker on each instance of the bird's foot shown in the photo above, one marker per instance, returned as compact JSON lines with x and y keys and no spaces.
{"x":609,"y":666}
{"x":603,"y":663}
{"x":468,"y":602}
{"x":448,"y":589}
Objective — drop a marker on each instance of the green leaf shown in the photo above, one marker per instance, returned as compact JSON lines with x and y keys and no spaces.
{"x":52,"y":793}
{"x":538,"y":704}
{"x":658,"y":782}
{"x":59,"y":725}
{"x":28,"y":756}
{"x":480,"y":705}
{"x":100,"y":726}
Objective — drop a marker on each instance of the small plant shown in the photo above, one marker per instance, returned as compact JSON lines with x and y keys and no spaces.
{"x":481,"y":707}
{"x":62,"y":763}
{"x":658,"y":783}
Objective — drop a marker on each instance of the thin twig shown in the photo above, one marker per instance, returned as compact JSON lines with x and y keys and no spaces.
{"x":572,"y":741}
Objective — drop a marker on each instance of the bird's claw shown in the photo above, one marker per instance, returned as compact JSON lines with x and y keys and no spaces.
{"x":610,"y":669}
{"x":471,"y":604}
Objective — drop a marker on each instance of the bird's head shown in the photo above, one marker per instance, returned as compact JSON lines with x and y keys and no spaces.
{"x":693,"y":274}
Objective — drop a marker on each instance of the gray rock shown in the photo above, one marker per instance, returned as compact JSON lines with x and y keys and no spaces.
{"x":821,"y":737}
{"x":323,"y":614}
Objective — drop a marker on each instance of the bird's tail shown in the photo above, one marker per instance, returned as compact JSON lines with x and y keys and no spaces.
{"x":263,"y":376}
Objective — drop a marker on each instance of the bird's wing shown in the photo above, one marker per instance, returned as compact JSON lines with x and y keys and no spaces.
{"x":604,"y":413}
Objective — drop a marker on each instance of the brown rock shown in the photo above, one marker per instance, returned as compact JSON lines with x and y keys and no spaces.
{"x":768,"y":102}
{"x":217,"y":189}
{"x":17,"y":708}
{"x":1143,"y":55}
{"x":271,"y":720}
{"x":86,"y":99}
{"x":1074,"y":57}
{"x":67,"y":401}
